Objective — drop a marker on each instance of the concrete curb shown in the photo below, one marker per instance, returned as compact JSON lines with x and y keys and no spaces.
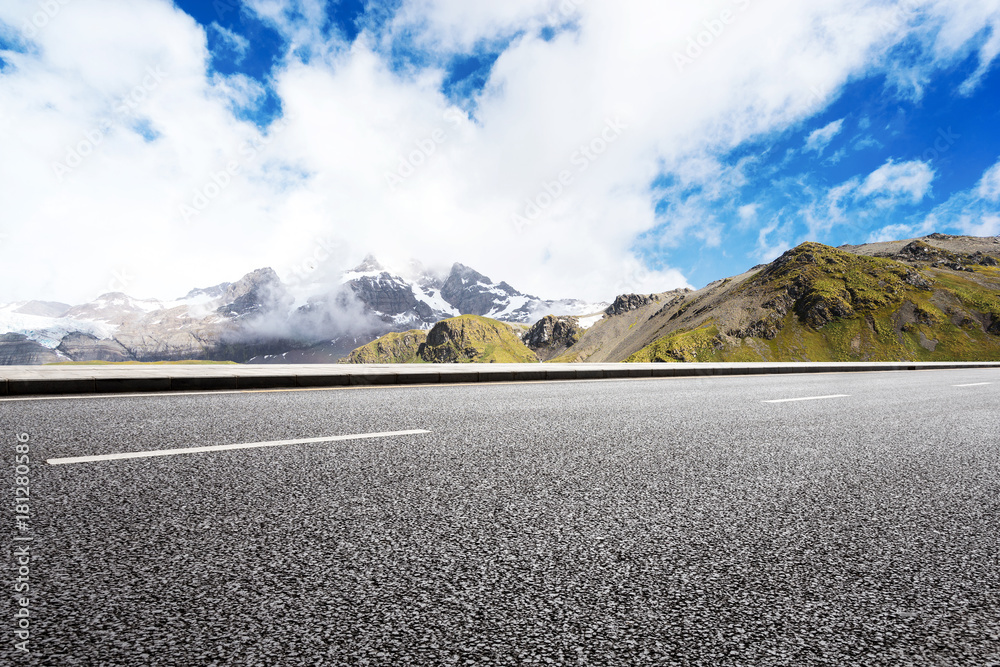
{"x":70,"y":380}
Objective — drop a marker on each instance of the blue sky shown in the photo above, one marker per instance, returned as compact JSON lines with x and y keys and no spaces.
{"x":571,"y":147}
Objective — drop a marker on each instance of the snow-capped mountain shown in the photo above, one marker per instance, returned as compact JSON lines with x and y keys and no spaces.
{"x":422,"y":299}
{"x":258,"y":318}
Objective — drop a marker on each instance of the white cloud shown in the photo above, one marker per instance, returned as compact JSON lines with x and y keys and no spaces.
{"x":893,"y":181}
{"x":766,"y":250}
{"x":350,"y":121}
{"x":989,"y":184}
{"x":851,"y":202}
{"x":974,"y":212}
{"x":460,"y":24}
{"x":747,"y":213}
{"x":821,"y":138}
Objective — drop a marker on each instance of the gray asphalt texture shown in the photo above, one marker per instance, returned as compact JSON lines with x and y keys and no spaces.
{"x":673,"y":521}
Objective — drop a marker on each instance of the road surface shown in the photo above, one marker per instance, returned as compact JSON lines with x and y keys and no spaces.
{"x":783,"y":520}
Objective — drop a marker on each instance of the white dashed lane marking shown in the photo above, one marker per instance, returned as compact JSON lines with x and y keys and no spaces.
{"x":808,"y":398}
{"x":223,"y":448}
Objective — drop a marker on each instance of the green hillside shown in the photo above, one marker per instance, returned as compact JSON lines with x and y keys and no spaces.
{"x":823,"y":304}
{"x":471,"y":338}
{"x":392,"y":348}
{"x":465,"y":339}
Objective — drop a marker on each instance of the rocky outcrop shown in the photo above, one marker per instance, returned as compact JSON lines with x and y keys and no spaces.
{"x":551,"y":336}
{"x":86,"y":347}
{"x":629,"y":302}
{"x":983,"y":259}
{"x":919,"y":252}
{"x":474,"y":339}
{"x":18,"y":350}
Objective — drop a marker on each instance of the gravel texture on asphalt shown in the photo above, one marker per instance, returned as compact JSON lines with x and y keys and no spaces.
{"x":674,"y":522}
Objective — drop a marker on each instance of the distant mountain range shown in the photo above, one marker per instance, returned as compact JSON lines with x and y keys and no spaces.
{"x":935,"y":298}
{"x":257,"y":319}
{"x":931,"y":299}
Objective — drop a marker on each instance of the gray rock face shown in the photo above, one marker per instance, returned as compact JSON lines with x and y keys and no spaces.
{"x":389,"y":296}
{"x":472,"y":293}
{"x":164,"y":346}
{"x":551,"y":336}
{"x":629,"y":302}
{"x":85,"y":347}
{"x":983,"y":259}
{"x":17,"y":350}
{"x":257,"y":291}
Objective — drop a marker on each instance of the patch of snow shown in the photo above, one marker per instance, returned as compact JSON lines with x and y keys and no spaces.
{"x":432,"y":297}
{"x":513,"y":305}
{"x":590,"y":320}
{"x":576,"y":308}
{"x":348,"y":276}
{"x":405,"y":319}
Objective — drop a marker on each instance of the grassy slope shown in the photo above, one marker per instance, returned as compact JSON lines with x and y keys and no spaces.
{"x":392,"y":348}
{"x":471,"y":338}
{"x":830,"y":305}
{"x":465,"y":339}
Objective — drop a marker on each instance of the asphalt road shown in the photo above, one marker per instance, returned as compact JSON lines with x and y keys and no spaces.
{"x":672,"y":521}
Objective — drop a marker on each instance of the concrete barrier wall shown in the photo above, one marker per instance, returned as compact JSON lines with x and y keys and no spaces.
{"x":69,"y":380}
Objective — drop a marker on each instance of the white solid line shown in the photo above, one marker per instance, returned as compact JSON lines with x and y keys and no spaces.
{"x":222,"y":448}
{"x":977,"y":384}
{"x":808,"y":398}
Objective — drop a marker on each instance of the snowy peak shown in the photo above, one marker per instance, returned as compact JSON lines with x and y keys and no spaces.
{"x":418,"y":298}
{"x":368,"y":265}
